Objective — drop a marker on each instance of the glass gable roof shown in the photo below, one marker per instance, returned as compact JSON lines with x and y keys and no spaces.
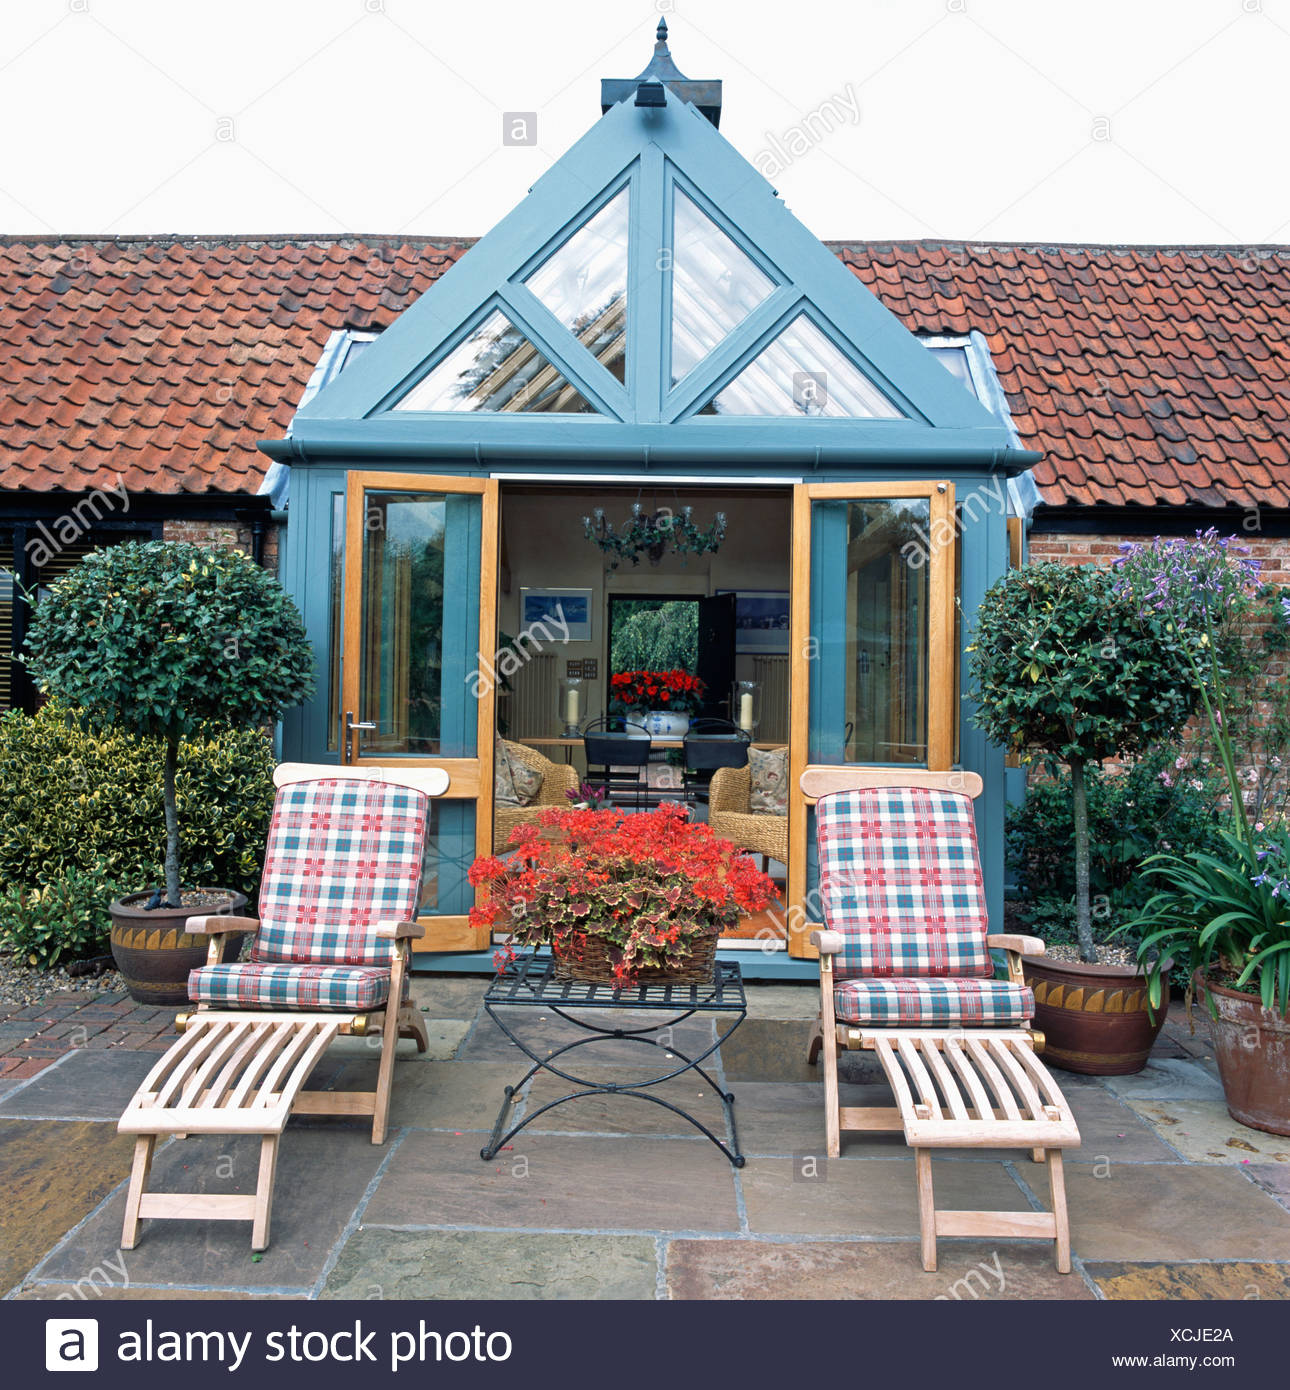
{"x":496,"y":368}
{"x":802,"y":372}
{"x":715,"y":286}
{"x":584,"y":284}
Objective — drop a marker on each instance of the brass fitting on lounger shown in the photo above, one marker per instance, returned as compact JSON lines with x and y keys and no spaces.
{"x":181,"y":1022}
{"x":1037,"y":1040}
{"x":357,"y":1027}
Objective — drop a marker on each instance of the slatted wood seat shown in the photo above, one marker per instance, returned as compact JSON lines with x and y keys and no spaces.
{"x":342,"y":879}
{"x":238,"y":1075}
{"x":906,"y":972}
{"x":973,"y":1089}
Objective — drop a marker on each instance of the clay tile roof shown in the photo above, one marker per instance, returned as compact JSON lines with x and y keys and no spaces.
{"x":165,"y":360}
{"x":1144,"y":375}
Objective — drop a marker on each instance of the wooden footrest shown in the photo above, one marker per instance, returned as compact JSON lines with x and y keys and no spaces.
{"x":976,"y":1089}
{"x":227,"y":1074}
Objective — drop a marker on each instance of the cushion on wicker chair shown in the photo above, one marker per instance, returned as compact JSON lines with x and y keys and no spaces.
{"x":933,"y":1003}
{"x":351,"y":987}
{"x":768,"y":795}
{"x":900,"y":878}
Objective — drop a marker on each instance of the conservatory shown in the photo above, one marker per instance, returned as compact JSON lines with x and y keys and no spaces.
{"x":648,"y":390}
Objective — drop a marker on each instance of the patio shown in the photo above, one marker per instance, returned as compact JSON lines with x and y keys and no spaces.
{"x":1169,"y":1198}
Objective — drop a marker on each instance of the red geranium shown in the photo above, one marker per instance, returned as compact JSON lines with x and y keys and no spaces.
{"x":648,"y":884}
{"x":674,"y":690}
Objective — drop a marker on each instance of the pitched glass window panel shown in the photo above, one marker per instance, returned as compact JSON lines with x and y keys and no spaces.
{"x":801,"y":372}
{"x":496,"y":368}
{"x":714,"y":285}
{"x":584,"y":284}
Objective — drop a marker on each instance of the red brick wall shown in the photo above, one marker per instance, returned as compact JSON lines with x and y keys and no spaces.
{"x":1273,"y":554}
{"x":230,"y":534}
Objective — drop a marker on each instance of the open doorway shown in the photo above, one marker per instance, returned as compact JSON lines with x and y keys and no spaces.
{"x":719,"y":615}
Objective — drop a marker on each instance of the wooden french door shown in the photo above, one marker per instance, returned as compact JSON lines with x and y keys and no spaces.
{"x":420,"y":606}
{"x":872,"y":659}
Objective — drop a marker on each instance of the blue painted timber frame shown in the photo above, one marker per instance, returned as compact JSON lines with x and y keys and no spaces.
{"x":645,"y":425}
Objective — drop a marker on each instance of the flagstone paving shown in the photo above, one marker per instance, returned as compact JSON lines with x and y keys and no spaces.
{"x":611,"y":1196}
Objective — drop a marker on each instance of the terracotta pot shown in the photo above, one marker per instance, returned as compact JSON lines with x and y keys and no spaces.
{"x":153,"y":952}
{"x":1252,"y":1049}
{"x":1094,"y":1017}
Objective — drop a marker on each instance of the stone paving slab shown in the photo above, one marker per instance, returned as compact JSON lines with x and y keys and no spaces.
{"x":444,"y":1037}
{"x":1140,"y":1211}
{"x":554,"y":1182}
{"x":1273,"y":1178}
{"x":449,"y":996}
{"x":93,"y":1290}
{"x":420,"y":1265}
{"x":322,"y":1174}
{"x":438,"y":1095}
{"x":625,"y":1114}
{"x":769,"y":1049}
{"x":1166,"y":1078}
{"x":787,"y":1117}
{"x":87,"y":1086}
{"x":55,"y":1173}
{"x":869,"y":1197}
{"x":1203,"y":1132}
{"x":795,"y":1001}
{"x":1191,"y":1281}
{"x":545,"y":1032}
{"x":968,"y":1271}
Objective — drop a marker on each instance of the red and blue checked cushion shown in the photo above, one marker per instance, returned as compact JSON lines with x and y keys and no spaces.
{"x":900,"y":878}
{"x":342,"y":856}
{"x":932,"y":1003}
{"x":349,"y":987}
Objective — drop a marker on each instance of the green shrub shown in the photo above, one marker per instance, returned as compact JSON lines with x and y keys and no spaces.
{"x":63,"y":919}
{"x":74,"y":799}
{"x":170,"y":641}
{"x":1151,"y":806}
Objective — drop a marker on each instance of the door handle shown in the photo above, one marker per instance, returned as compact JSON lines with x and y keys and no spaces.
{"x":351,"y":729}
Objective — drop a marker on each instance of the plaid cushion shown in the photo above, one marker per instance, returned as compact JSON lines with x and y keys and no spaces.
{"x":342,"y":856}
{"x":933,"y":1003}
{"x":900,"y":878}
{"x":349,"y":987}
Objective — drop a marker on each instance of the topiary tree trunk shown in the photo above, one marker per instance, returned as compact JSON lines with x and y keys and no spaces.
{"x":173,"y":898}
{"x":1083,"y":906}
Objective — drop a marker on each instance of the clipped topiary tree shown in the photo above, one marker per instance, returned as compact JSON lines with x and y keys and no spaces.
{"x":1063,"y":665}
{"x":165,"y":638}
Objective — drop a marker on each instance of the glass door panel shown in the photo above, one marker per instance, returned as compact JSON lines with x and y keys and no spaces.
{"x":420,"y":601}
{"x":872,"y":659}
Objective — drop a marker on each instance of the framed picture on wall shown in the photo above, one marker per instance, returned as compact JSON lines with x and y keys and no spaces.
{"x":554,"y":608}
{"x":761,"y":621}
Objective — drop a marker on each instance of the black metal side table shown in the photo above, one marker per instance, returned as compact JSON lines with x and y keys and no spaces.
{"x":529,"y":982}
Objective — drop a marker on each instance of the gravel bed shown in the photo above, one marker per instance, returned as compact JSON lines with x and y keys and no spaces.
{"x":1106,"y":955}
{"x":22,"y":984}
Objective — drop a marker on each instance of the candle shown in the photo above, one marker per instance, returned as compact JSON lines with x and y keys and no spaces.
{"x":571,"y":711}
{"x":745,"y":711}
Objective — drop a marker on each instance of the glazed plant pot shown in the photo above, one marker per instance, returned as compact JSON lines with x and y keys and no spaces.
{"x":1252,"y":1049}
{"x":1094,"y":1017}
{"x":153,"y":952}
{"x":663,"y":723}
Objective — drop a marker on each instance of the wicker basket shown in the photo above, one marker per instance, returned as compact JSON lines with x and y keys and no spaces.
{"x":593,"y":965}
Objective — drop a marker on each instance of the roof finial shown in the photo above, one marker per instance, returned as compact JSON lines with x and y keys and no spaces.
{"x":661,"y":33}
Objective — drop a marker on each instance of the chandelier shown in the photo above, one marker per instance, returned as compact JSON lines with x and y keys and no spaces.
{"x":651,"y":533}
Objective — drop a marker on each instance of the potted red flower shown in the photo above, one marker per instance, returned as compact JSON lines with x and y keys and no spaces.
{"x":620,"y":898}
{"x":662,"y":701}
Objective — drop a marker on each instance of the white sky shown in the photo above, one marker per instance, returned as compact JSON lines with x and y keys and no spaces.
{"x":1006,"y":120}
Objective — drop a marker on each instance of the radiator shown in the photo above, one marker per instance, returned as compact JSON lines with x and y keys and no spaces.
{"x":772,"y":674}
{"x":530,"y":710}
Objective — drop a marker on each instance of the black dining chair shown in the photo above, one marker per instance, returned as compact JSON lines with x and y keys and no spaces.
{"x":710,"y":744}
{"x":620,"y":750}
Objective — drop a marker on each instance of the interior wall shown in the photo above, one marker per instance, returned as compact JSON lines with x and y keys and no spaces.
{"x":543,"y":545}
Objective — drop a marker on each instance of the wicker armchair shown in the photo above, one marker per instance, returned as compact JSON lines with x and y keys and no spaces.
{"x":557,"y":778}
{"x":728,"y":796}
